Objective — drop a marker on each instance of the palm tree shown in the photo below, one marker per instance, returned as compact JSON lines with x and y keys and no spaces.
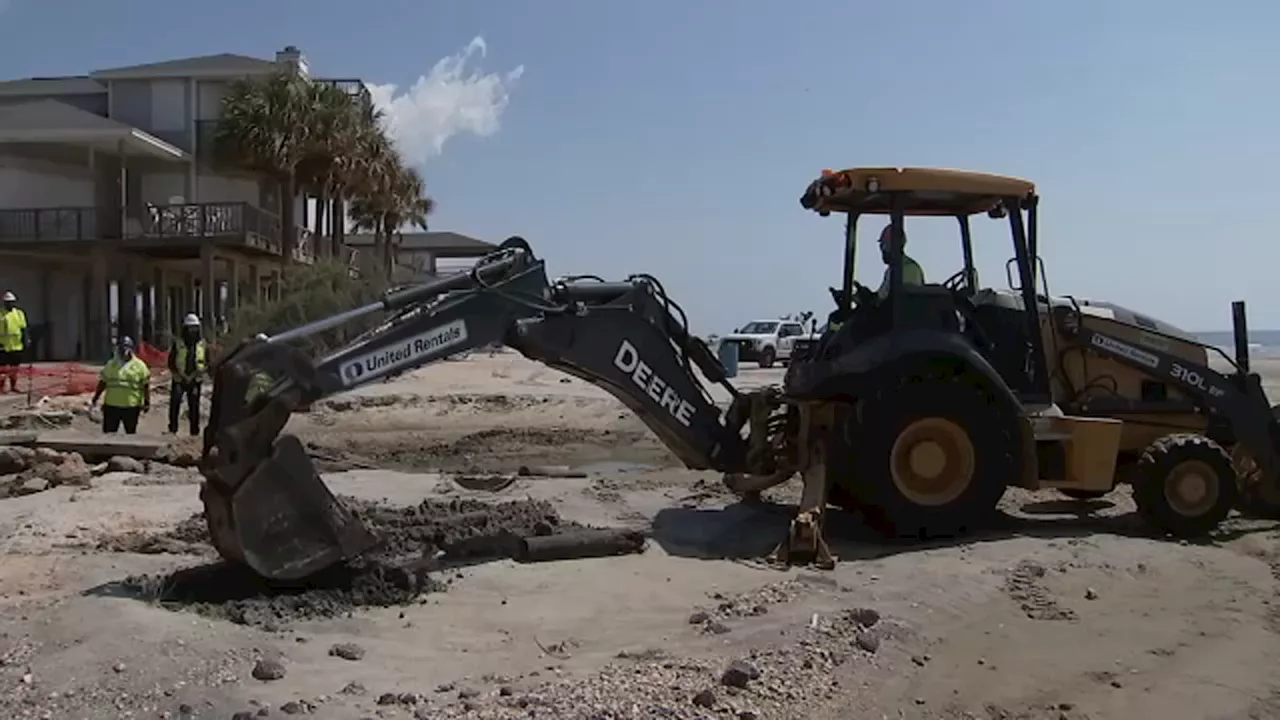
{"x":336,"y":124}
{"x":372,"y":186}
{"x":266,"y":126}
{"x":357,"y":169}
{"x":390,"y":197}
{"x":313,"y":135}
{"x":409,"y":206}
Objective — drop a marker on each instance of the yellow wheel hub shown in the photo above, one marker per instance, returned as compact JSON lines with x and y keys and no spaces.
{"x":1191,"y":488}
{"x":932,"y":461}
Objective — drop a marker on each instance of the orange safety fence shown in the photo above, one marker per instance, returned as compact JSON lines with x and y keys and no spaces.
{"x":158,"y":359}
{"x":47,"y":379}
{"x":38,"y":380}
{"x":154,"y":357}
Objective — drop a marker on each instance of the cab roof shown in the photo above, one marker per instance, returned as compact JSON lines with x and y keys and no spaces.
{"x":930,"y":191}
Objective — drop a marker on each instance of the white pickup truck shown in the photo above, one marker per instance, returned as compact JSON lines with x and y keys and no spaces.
{"x":766,"y":341}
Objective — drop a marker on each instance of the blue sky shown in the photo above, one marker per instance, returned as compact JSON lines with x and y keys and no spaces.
{"x":675,"y":137}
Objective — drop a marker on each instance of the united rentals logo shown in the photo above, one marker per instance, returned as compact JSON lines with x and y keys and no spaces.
{"x":352,"y":373}
{"x":418,"y":349}
{"x":1126,"y":350}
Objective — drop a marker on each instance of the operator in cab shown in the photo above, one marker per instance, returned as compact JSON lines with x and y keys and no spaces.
{"x":125,"y":389}
{"x":187,"y":364}
{"x":912,"y":274}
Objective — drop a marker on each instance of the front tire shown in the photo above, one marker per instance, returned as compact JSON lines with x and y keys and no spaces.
{"x":931,"y":457}
{"x":1186,"y":485}
{"x":767,"y":357}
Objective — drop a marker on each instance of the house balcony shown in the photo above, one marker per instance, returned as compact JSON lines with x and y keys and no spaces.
{"x":165,"y":231}
{"x":352,"y":87}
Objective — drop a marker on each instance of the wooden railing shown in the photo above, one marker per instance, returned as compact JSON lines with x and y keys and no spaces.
{"x":206,"y":220}
{"x":304,"y":250}
{"x":49,"y":224}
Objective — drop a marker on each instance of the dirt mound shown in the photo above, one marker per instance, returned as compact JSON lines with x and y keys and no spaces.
{"x":489,"y":450}
{"x":394,"y":574}
{"x":189,"y":537}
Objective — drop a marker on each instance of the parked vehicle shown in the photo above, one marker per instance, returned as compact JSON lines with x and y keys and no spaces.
{"x":766,"y":341}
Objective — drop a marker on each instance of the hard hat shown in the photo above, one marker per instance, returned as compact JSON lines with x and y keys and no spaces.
{"x":125,"y":341}
{"x":191,"y":320}
{"x":10,"y":297}
{"x":887,"y":232}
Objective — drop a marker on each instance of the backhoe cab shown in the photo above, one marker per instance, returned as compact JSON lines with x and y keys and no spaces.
{"x":945,"y":394}
{"x":924,"y":433}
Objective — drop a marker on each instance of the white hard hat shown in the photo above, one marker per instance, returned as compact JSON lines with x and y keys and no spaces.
{"x":191,"y":320}
{"x":10,"y":297}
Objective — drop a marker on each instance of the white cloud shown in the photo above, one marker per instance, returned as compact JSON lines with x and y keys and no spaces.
{"x":451,"y":99}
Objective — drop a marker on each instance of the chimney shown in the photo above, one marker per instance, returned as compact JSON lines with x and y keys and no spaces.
{"x":293,"y":57}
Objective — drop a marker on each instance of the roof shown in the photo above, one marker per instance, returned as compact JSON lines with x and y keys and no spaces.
{"x":220,"y":65}
{"x":79,"y":85}
{"x":50,"y":121}
{"x":433,"y":241}
{"x":931,"y":191}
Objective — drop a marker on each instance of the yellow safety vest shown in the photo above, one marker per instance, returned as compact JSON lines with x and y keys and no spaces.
{"x":127,"y":383}
{"x":912,"y":274}
{"x":259,"y":383}
{"x":12,"y":323}
{"x":180,"y":361}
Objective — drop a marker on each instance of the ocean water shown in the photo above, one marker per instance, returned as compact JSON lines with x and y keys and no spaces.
{"x":1262,"y":343}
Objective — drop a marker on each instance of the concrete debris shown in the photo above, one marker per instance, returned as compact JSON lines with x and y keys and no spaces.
{"x":36,"y":420}
{"x":24,"y":471}
{"x":268,"y":670}
{"x":739,"y":674}
{"x":121,"y":463}
{"x":15,"y":458}
{"x":347,"y":651}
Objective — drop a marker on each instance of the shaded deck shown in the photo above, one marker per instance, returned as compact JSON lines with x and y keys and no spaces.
{"x":160,"y":231}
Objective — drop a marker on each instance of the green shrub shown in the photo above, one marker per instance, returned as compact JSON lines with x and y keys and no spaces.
{"x":309,"y":293}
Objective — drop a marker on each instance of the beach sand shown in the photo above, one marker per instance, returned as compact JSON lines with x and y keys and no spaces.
{"x":1070,"y":610}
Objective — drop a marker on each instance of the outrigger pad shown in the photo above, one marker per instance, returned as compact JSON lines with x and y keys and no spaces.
{"x":282,"y":521}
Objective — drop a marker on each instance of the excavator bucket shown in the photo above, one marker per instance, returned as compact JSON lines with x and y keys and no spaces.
{"x":265,"y":504}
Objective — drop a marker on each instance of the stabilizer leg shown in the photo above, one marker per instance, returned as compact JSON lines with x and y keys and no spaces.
{"x":806,"y":543}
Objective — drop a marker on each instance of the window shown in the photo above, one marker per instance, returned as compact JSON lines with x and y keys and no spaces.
{"x":210,"y":99}
{"x":791,"y":330}
{"x":168,"y":105}
{"x":759,"y":328}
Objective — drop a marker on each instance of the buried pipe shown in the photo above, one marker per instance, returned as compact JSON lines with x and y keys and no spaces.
{"x":576,"y":544}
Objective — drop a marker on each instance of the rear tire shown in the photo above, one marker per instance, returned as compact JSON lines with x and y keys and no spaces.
{"x":1186,"y":485}
{"x":931,"y":457}
{"x":766,"y":358}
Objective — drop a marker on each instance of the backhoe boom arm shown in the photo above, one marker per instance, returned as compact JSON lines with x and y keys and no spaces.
{"x":1239,"y":398}
{"x":625,"y":337}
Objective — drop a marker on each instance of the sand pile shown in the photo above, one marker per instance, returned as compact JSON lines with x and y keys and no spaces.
{"x":394,"y":574}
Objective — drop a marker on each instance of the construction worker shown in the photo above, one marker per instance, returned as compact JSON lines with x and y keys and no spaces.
{"x":187,"y":364}
{"x":125,"y":389}
{"x":259,"y":382}
{"x":13,"y":340}
{"x":912,"y":274}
